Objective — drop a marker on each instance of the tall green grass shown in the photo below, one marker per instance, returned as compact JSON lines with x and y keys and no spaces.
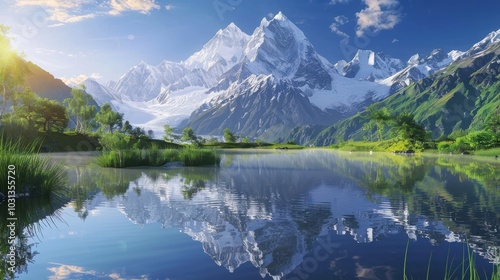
{"x":34,"y":174}
{"x":197,"y":157}
{"x":466,"y":269}
{"x":158,"y":157}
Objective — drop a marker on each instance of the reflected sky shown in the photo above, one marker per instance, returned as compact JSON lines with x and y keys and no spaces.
{"x":310,"y":214}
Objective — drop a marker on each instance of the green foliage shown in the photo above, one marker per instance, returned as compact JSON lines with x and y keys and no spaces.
{"x":245,"y":140}
{"x":457,"y":133}
{"x":378,"y":115}
{"x":115,"y":141}
{"x":168,"y":133}
{"x":229,"y":136}
{"x":481,"y":140}
{"x":158,"y":157}
{"x":493,"y":121}
{"x":108,"y":119}
{"x":12,"y":71}
{"x":197,"y":157}
{"x":127,"y":128}
{"x":188,"y":135}
{"x":53,"y":116}
{"x":34,"y":174}
{"x":30,"y":111}
{"x":406,"y":128}
{"x":78,"y":106}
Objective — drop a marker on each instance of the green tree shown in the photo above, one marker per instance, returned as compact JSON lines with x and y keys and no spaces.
{"x":116,"y":141}
{"x":188,"y":135}
{"x":109,"y":119}
{"x":493,"y":121}
{"x":245,"y":140}
{"x":168,"y":133}
{"x":12,"y":71}
{"x":24,"y":109}
{"x":407,"y":128}
{"x":53,"y":116}
{"x":380,"y":116}
{"x":127,"y":128}
{"x":79,"y":106}
{"x":229,"y":136}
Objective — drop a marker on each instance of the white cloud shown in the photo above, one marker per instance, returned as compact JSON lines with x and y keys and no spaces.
{"x":73,"y":81}
{"x":335,"y":26}
{"x":395,"y":41}
{"x":142,"y":6}
{"x":378,"y":15}
{"x":169,"y":7}
{"x":333,"y":2}
{"x":61,"y":4}
{"x":71,"y":11}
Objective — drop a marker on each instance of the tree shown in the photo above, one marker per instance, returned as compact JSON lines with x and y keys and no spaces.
{"x":168,"y":132}
{"x":151,"y":133}
{"x":12,"y":71}
{"x":79,"y":106}
{"x":109,"y":119}
{"x":407,"y":128}
{"x":52,"y":114}
{"x":137,"y":132}
{"x":245,"y":140}
{"x":188,"y":134}
{"x":229,"y":136}
{"x":118,"y":142}
{"x":24,"y":109}
{"x":493,"y":121}
{"x":127,"y":128}
{"x":380,"y":116}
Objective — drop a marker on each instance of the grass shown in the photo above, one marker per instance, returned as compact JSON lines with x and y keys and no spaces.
{"x":158,"y":157}
{"x":466,"y":269}
{"x":30,"y":172}
{"x":488,"y":153}
{"x":253,"y":146}
{"x":197,"y":157}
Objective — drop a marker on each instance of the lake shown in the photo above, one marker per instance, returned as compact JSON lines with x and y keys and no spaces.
{"x":310,"y":214}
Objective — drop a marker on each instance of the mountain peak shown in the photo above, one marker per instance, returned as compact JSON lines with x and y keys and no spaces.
{"x":227,"y":46}
{"x":280,"y":16}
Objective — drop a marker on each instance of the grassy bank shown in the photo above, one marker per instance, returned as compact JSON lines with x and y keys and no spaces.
{"x":27,"y":172}
{"x":253,"y":146}
{"x":158,"y":157}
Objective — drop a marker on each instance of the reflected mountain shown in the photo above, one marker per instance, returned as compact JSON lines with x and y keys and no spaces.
{"x":271,"y":208}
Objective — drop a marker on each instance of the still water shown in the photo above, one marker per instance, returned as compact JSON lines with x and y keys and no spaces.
{"x":312,"y":214}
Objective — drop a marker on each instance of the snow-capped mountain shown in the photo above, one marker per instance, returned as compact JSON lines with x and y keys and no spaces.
{"x":489,"y":40}
{"x":418,"y":68}
{"x":103,"y":94}
{"x":371,"y":66}
{"x":263,"y":84}
{"x":221,"y":53}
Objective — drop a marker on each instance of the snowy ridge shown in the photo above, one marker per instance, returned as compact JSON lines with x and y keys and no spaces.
{"x":278,"y":52}
{"x":419,"y":68}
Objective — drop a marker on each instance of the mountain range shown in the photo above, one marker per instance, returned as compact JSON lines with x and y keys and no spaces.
{"x":264,"y":84}
{"x":461,"y":96}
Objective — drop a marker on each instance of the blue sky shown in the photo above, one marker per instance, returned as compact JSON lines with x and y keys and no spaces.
{"x":74,"y":39}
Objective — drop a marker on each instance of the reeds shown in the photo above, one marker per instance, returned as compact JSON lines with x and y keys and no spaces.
{"x":466,"y":269}
{"x":158,"y":157}
{"x":29,"y":172}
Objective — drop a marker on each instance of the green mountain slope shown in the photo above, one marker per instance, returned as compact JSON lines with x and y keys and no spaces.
{"x":461,"y":96}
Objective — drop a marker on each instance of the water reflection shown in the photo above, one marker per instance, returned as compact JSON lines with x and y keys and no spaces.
{"x":282,"y":212}
{"x":31,"y":215}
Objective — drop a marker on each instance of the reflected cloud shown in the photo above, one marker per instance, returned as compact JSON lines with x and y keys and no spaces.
{"x":64,"y":271}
